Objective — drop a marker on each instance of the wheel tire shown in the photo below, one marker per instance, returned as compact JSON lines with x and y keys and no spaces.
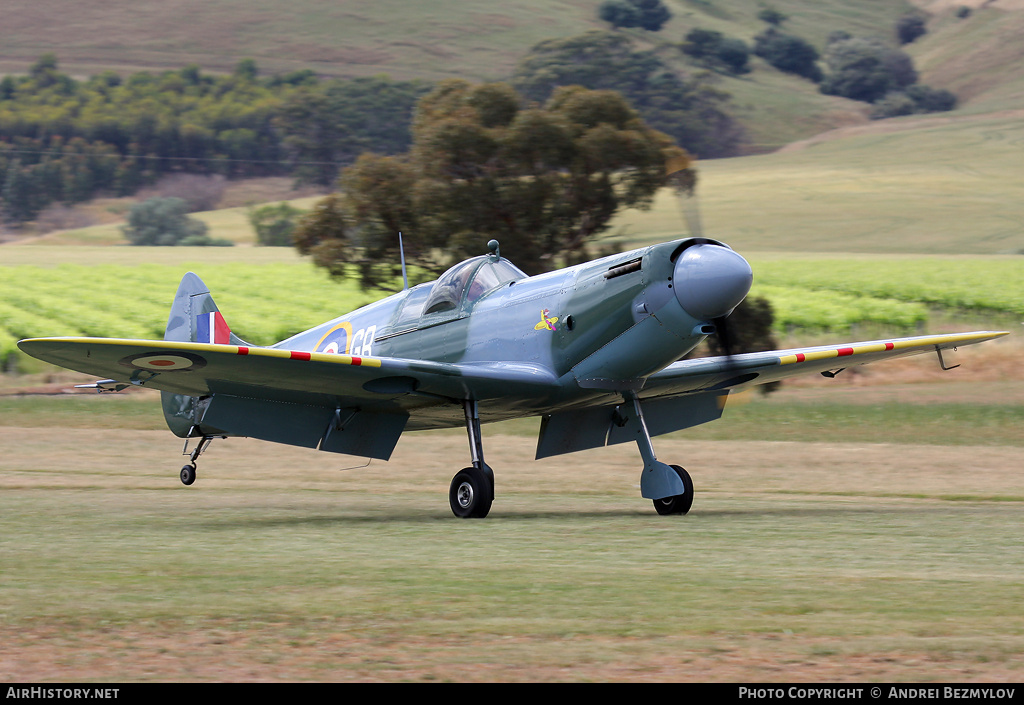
{"x":188,"y":474}
{"x":470,"y":494}
{"x":680,"y":503}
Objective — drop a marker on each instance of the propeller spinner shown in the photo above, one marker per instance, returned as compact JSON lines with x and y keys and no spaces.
{"x":711,"y":280}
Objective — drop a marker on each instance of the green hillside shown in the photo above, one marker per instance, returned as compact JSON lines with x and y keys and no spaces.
{"x":463,"y":38}
{"x":978,"y":57}
{"x":936,"y":185}
{"x":981,"y":59}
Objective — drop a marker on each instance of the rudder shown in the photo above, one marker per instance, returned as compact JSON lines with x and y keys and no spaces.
{"x":194,"y":318}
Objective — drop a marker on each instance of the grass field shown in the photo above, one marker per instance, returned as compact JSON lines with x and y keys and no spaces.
{"x":826,"y":549}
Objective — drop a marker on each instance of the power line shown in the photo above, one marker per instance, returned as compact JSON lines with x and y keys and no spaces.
{"x":40,"y":152}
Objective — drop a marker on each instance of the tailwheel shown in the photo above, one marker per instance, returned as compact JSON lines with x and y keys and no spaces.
{"x":680,"y":503}
{"x":471,"y":493}
{"x":188,"y":474}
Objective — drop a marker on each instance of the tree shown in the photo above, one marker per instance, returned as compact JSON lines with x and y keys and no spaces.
{"x":734,"y":56}
{"x":648,"y":14}
{"x":917,"y":98}
{"x":19,"y":195}
{"x":619,"y":13}
{"x":653,"y":14}
{"x":772,"y":16}
{"x":324,"y":235}
{"x":326,"y":127}
{"x":931,"y":100}
{"x":543,"y":180}
{"x":691,"y":109}
{"x":163,"y":222}
{"x":44,"y":71}
{"x":788,"y":53}
{"x":246,"y":70}
{"x":866,"y":69}
{"x":701,"y":44}
{"x":274,"y":224}
{"x":714,"y":50}
{"x":909,"y":28}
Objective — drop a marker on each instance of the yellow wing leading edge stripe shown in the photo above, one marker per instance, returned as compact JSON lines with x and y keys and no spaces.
{"x":158,"y":345}
{"x":902,"y":344}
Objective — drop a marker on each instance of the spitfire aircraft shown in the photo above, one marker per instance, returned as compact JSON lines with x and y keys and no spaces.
{"x":594,"y":350}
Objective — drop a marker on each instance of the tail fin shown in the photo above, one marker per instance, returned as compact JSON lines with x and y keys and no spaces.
{"x":194,"y":318}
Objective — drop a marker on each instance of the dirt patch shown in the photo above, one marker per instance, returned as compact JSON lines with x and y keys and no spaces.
{"x":232,"y":652}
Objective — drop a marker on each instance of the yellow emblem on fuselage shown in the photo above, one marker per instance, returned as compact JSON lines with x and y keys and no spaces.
{"x":546,"y":322}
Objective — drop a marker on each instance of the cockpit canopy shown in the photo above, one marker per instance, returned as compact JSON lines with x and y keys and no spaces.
{"x":468,"y":281}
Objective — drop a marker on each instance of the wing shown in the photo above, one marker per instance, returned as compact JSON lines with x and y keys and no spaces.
{"x":374,"y":384}
{"x":692,"y":392}
{"x":751,"y":369}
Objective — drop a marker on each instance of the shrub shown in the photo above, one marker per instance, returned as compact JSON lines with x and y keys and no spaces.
{"x":788,"y":53}
{"x":163,"y":222}
{"x":717,"y":51}
{"x":274,"y":224}
{"x":931,"y":100}
{"x":619,"y":13}
{"x":909,"y":28}
{"x":866,"y":69}
{"x":649,"y":14}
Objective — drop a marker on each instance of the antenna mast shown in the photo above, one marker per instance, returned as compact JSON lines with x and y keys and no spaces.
{"x":401,"y":252}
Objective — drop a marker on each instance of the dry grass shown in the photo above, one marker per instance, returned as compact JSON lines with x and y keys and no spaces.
{"x":800,"y":561}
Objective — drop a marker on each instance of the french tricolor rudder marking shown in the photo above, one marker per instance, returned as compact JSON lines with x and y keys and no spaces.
{"x":212,"y":328}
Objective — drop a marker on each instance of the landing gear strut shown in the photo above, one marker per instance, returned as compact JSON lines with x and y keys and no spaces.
{"x":188,"y":472}
{"x":472,"y":490}
{"x":669,"y":486}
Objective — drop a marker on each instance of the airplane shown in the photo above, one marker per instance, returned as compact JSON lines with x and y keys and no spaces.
{"x":595,"y":350}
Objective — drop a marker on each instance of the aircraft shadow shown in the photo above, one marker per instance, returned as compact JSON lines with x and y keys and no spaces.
{"x":645,"y":514}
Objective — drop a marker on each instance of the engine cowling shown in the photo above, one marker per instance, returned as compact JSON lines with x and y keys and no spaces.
{"x":711,"y":280}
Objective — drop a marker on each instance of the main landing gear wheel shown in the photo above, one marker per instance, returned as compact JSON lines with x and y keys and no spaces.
{"x":188,"y":474}
{"x":680,"y":503}
{"x":471,"y":493}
